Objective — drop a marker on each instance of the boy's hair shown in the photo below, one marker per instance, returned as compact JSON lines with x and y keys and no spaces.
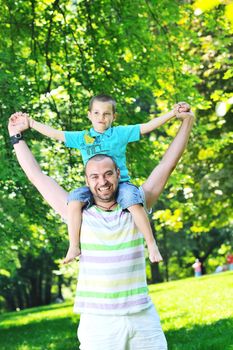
{"x":103,"y":98}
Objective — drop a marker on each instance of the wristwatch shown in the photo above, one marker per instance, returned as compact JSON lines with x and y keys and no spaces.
{"x":16,"y":138}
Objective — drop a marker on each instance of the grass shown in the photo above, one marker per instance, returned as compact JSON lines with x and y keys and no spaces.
{"x":47,"y":327}
{"x":196,"y":314}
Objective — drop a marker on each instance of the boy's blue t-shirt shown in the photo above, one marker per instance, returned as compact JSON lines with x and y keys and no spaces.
{"x":112,"y":142}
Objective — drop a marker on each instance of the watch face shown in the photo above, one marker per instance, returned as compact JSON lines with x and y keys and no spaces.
{"x":16,"y":138}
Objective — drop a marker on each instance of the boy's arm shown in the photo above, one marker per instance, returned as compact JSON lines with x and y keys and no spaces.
{"x":23,"y":121}
{"x":158,"y":121}
{"x":47,"y":130}
{"x":155,"y":183}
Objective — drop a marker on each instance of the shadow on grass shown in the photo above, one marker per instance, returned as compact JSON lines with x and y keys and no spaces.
{"x":215,"y":336}
{"x":57,"y":334}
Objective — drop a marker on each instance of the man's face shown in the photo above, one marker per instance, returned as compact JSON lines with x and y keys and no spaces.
{"x":102,"y":179}
{"x":101,"y":116}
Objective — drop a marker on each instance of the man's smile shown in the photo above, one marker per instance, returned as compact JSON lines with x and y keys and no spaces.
{"x":105,"y":188}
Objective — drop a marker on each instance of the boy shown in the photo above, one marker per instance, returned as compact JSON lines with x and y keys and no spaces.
{"x":102,"y":138}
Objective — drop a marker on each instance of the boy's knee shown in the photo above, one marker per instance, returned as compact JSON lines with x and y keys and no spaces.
{"x":128,"y":195}
{"x":82,"y":195}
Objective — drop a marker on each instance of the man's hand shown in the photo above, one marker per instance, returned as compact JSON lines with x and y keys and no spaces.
{"x":20,"y":121}
{"x":13,"y":129}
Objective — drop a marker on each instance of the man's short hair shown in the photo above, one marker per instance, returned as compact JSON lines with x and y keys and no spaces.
{"x":99,"y":157}
{"x":103,"y":98}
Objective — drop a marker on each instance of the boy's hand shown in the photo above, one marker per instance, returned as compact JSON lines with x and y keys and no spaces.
{"x":181,"y":107}
{"x":185,"y":115}
{"x":20,"y":120}
{"x":182,"y":110}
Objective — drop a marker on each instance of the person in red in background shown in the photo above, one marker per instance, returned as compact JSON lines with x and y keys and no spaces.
{"x":230,"y":261}
{"x":197,"y":268}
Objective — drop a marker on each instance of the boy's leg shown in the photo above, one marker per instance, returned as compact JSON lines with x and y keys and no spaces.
{"x":74,"y":226}
{"x":129,"y":196}
{"x":143,"y":224}
{"x":77,"y":199}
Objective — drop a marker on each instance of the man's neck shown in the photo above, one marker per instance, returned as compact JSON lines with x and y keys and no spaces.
{"x":107,"y":206}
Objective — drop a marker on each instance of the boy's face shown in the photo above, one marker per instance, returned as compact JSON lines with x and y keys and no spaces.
{"x":101,"y":116}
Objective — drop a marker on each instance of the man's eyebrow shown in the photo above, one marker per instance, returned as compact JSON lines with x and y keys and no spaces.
{"x":107,"y":171}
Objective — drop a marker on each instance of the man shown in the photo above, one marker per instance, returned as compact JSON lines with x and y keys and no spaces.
{"x":112,"y":296}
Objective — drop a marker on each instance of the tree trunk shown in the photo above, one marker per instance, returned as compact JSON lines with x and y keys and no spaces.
{"x":59,"y":286}
{"x":155,"y":272}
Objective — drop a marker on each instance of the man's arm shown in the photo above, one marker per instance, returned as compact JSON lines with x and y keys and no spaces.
{"x":54,"y":194}
{"x":19,"y":119}
{"x":158,"y":178}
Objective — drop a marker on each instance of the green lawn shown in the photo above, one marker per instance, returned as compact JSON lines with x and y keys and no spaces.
{"x":196,"y":314}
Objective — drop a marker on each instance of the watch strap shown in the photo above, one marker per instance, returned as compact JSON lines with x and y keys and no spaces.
{"x":16,"y":138}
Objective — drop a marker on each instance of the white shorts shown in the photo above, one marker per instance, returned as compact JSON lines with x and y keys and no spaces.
{"x":140,"y":331}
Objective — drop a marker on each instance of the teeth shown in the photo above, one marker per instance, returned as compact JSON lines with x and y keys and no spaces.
{"x":104,"y":188}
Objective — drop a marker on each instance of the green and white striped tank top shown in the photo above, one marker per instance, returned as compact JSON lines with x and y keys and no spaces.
{"x":112,"y":277}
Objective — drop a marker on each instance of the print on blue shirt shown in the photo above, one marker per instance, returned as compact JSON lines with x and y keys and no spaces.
{"x":95,"y":148}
